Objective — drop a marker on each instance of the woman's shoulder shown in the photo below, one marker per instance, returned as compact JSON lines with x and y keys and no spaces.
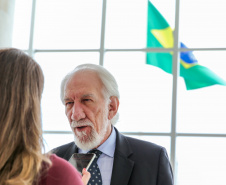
{"x":62,"y":172}
{"x":60,"y":165}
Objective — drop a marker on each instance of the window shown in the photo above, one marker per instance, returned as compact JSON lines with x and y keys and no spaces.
{"x":154,"y":105}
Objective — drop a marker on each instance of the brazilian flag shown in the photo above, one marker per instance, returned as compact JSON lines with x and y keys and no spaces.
{"x":160,"y":34}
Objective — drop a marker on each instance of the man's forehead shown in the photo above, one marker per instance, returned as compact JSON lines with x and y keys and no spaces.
{"x":88,"y":95}
{"x":79,"y":92}
{"x":86,"y":78}
{"x":70,"y":96}
{"x":81,"y":84}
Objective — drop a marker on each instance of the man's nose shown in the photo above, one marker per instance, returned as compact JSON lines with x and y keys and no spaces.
{"x":77,"y":112}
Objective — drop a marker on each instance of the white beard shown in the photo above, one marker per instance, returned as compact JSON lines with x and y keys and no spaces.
{"x":88,"y":142}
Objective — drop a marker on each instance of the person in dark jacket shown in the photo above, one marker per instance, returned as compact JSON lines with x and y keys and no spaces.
{"x":91,"y":98}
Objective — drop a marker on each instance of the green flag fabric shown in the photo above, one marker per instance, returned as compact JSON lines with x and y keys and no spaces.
{"x":160,"y":34}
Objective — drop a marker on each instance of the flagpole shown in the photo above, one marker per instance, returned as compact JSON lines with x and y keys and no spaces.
{"x":176,"y":70}
{"x":31,"y":39}
{"x":102,"y":50}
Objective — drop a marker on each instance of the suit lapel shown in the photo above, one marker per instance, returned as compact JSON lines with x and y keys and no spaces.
{"x":123,"y":166}
{"x":71,"y":150}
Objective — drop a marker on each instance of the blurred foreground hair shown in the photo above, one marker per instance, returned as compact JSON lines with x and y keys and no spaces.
{"x":21,"y":142}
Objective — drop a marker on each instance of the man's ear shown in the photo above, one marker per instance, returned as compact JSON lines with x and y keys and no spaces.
{"x":113,"y":107}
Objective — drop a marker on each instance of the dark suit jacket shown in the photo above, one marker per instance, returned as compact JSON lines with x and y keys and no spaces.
{"x":136,"y":162}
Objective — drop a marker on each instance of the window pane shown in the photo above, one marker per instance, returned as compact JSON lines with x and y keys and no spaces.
{"x":202,"y":23}
{"x":146,"y":91}
{"x":203,"y":110}
{"x":201,"y":161}
{"x":68,"y":24}
{"x":126,"y":21}
{"x":54,"y":140}
{"x":21,"y":24}
{"x":55,"y":66}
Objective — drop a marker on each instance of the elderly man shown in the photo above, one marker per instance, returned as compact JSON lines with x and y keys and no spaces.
{"x":91,"y":98}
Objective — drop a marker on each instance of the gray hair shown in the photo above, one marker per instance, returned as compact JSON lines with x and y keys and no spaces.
{"x":108,"y":80}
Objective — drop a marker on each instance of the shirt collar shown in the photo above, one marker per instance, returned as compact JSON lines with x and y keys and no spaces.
{"x":108,"y":147}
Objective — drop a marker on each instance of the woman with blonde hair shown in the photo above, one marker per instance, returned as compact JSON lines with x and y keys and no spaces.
{"x":21,"y":159}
